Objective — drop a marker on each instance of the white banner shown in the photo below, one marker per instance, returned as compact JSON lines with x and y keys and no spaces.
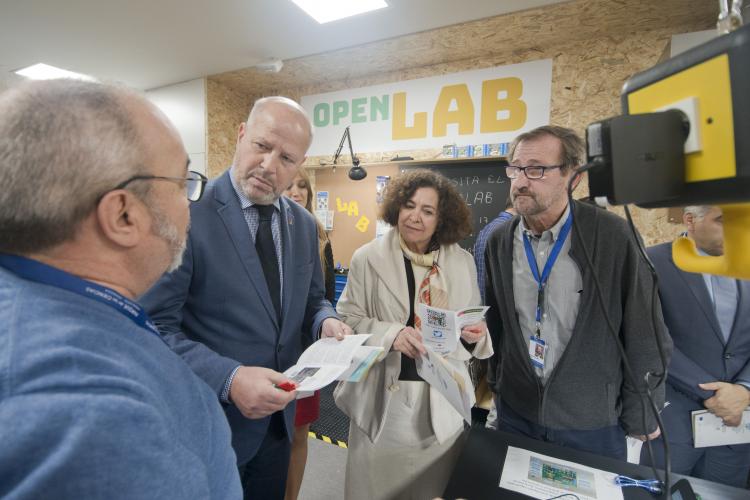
{"x":485,"y":106}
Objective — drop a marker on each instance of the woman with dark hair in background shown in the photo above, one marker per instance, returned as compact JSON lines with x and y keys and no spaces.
{"x":308,"y":409}
{"x":404,"y":436}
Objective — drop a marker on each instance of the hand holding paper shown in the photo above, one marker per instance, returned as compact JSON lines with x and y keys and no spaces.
{"x":409,"y":343}
{"x":334,"y":328}
{"x":728,"y":402}
{"x":329,"y":359}
{"x":441,"y":328}
{"x":473,"y":333}
{"x":254,"y":393}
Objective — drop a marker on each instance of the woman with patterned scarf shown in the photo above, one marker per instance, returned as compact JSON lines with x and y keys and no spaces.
{"x":404,"y":436}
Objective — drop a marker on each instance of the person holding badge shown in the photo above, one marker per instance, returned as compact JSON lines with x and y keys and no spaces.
{"x":557,"y":373}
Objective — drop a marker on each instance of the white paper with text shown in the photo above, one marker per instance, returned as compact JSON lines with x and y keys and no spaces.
{"x":542,"y":476}
{"x":454,"y":386}
{"x":324,"y":361}
{"x":441,"y":328}
{"x":709,"y":430}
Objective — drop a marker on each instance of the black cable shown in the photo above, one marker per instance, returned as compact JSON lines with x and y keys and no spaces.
{"x":662,"y":355}
{"x":626,"y":364}
{"x":565,"y":495}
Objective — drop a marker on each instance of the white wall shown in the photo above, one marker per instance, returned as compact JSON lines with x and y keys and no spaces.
{"x":684,"y":41}
{"x":185,"y":104}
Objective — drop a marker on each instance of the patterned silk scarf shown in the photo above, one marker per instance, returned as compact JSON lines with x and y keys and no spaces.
{"x":432,"y":290}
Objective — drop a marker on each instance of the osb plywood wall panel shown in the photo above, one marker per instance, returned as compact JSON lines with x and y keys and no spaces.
{"x":528,"y":30}
{"x":596,"y":45}
{"x":227,"y":108}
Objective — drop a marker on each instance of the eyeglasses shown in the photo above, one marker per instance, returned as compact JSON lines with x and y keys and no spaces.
{"x":195,"y":183}
{"x":535,"y":172}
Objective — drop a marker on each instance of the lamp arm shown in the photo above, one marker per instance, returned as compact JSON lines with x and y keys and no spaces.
{"x":355,"y":160}
{"x":346,"y":137}
{"x":341,"y":145}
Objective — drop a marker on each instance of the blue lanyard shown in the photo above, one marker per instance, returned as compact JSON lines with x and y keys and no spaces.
{"x":33,"y":270}
{"x":542,"y":280}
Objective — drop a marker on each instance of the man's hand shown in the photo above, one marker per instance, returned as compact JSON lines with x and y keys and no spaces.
{"x":333,"y":327}
{"x":253,"y":391}
{"x":409,"y":342}
{"x":728,"y":402}
{"x":471,"y":334}
{"x":650,"y":437}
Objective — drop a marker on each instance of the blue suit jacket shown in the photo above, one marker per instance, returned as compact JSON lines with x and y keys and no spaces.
{"x":700,"y":354}
{"x":216,"y":312}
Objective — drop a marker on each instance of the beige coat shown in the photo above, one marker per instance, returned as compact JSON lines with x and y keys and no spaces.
{"x":376,"y":301}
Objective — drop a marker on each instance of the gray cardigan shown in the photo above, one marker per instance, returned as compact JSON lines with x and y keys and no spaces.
{"x":587,"y":388}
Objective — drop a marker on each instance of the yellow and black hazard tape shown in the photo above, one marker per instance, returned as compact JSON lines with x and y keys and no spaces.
{"x":321,"y":437}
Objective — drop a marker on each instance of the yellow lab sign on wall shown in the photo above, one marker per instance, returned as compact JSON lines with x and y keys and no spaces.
{"x":484,"y":106}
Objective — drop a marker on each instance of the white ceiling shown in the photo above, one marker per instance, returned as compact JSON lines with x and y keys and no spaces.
{"x":151,"y":43}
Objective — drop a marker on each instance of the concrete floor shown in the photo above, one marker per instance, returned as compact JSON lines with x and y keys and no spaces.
{"x":324,"y":473}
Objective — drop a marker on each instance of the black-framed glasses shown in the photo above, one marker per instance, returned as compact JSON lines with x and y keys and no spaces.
{"x":195,"y":183}
{"x":533,"y":172}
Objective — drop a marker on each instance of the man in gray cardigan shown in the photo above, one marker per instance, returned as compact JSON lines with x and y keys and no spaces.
{"x":557,"y":373}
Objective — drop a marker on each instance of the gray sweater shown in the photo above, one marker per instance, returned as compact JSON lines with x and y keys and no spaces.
{"x":587,"y":388}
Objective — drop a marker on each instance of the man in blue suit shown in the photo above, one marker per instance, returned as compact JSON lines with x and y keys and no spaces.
{"x":249,"y":287}
{"x":709,"y":320}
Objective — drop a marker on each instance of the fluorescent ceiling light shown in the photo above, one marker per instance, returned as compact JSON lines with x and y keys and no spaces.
{"x":325,"y":11}
{"x":43,"y":71}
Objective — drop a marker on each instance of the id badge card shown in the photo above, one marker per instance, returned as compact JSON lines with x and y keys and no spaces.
{"x":537,"y":351}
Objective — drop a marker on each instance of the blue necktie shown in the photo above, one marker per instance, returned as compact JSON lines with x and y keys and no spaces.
{"x":266,"y":249}
{"x":725,"y":302}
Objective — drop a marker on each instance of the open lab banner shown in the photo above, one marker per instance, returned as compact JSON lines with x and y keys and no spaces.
{"x":484,"y":106}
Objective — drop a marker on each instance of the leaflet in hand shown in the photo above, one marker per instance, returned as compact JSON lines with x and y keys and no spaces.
{"x":710,"y":430}
{"x":453,"y":385}
{"x":328,"y":359}
{"x":364,"y":357}
{"x":441,"y":328}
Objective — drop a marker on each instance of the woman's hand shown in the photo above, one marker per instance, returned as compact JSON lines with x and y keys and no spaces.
{"x":409,"y":342}
{"x":471,"y":334}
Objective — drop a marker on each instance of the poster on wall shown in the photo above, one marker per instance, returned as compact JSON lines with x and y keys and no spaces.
{"x":381,"y":182}
{"x":325,"y":217}
{"x":484,"y":106}
{"x":321,"y":200}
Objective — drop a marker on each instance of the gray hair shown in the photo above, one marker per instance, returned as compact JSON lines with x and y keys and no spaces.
{"x":573,"y":147}
{"x":697,"y":210}
{"x":260,"y":103}
{"x":63,"y":144}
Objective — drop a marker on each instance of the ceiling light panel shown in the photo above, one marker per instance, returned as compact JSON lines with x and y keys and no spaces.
{"x":325,"y":11}
{"x":43,"y":71}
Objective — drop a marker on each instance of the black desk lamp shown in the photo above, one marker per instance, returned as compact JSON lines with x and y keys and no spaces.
{"x":356,"y":173}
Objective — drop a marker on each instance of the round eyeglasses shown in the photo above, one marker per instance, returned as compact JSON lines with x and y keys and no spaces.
{"x":534,"y":172}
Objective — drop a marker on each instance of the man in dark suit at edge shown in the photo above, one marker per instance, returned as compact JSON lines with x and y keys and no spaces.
{"x":249,"y":285}
{"x":709,"y":320}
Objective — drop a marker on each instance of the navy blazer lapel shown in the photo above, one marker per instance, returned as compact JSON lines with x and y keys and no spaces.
{"x":742,"y":316}
{"x":697,"y":286}
{"x":286,"y":223}
{"x":230,"y":212}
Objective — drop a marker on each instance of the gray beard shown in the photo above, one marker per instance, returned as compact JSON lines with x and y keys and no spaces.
{"x":167,"y":231}
{"x":260,"y":200}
